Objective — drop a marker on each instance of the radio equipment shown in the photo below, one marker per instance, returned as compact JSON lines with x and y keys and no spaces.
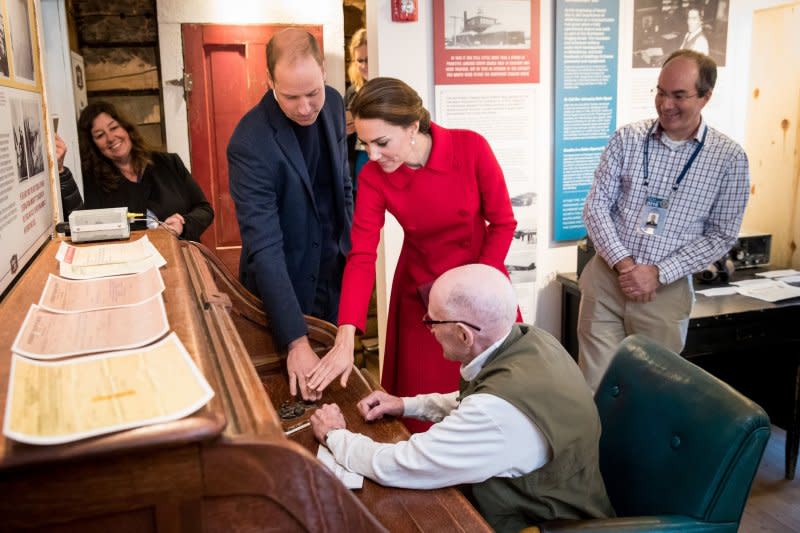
{"x":751,"y":250}
{"x":99,"y":224}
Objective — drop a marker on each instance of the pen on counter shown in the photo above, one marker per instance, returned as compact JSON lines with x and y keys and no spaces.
{"x":299,"y":427}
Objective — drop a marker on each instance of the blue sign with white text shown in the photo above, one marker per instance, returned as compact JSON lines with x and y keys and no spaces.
{"x":585,"y":96}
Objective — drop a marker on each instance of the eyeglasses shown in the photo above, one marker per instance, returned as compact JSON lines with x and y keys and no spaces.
{"x":678,"y":96}
{"x":362,"y":60}
{"x":429,"y":322}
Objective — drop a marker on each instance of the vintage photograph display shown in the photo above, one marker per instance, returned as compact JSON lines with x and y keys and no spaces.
{"x":521,"y":259}
{"x":473,"y":24}
{"x":662,"y":26}
{"x":25,"y":205}
{"x":78,"y":83}
{"x":26,"y":122}
{"x":478,"y":42}
{"x":4,"y":71}
{"x":21,"y":39}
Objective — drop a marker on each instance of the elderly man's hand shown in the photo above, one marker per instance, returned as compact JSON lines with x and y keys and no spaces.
{"x":377,"y":404}
{"x":327,"y":418}
{"x":640,"y":283}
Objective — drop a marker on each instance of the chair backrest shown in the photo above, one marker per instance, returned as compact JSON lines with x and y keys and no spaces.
{"x":676,"y":440}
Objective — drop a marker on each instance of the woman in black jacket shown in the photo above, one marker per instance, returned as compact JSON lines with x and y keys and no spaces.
{"x":120,"y":170}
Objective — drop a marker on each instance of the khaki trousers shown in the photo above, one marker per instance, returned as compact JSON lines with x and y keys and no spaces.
{"x":606,"y":317}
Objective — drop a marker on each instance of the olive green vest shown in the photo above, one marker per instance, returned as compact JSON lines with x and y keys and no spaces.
{"x":534,"y":373}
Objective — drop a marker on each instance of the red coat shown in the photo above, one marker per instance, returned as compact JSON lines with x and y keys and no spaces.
{"x":455,"y":210}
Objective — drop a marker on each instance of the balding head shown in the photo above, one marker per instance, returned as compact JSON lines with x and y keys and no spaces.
{"x":296,"y":75}
{"x":478,"y":294}
{"x":289,"y":45}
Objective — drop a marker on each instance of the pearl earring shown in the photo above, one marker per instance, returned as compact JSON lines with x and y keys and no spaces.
{"x":413,"y":141}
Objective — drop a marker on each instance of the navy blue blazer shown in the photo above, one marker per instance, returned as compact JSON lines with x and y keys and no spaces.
{"x":277,"y":214}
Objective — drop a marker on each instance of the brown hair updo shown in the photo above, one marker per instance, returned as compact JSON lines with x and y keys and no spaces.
{"x":391,"y":100}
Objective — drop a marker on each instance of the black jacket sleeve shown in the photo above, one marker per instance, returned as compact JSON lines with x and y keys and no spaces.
{"x":200,"y":214}
{"x":168,"y":188}
{"x":70,"y":195}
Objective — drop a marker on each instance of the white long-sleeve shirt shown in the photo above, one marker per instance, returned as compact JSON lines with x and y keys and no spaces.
{"x":484,"y":436}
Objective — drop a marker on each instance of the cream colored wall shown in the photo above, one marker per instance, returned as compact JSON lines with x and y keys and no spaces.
{"x":773,"y":123}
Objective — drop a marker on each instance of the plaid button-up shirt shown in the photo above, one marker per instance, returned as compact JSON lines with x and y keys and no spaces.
{"x":703,"y":215}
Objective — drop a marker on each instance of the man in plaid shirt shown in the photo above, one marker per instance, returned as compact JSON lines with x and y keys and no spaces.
{"x":667,"y":201}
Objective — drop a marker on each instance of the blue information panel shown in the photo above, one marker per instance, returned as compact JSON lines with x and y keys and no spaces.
{"x":587,"y":36}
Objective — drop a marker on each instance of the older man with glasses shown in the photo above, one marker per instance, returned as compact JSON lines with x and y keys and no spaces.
{"x":667,"y":201}
{"x":522,"y":430}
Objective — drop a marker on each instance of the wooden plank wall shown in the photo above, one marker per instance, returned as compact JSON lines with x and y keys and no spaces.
{"x":773,"y":123}
{"x":119,"y":43}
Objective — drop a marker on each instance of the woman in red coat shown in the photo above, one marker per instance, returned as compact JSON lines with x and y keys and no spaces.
{"x":447,"y":191}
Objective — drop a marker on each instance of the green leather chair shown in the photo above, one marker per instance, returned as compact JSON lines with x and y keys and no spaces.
{"x":679,"y":448}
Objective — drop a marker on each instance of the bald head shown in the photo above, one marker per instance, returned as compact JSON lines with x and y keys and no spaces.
{"x":289,"y":45}
{"x":478,"y":294}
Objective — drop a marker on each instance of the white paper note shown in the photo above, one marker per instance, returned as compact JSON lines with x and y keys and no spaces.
{"x":778,"y":273}
{"x":46,"y":335}
{"x":89,"y":262}
{"x":772,"y":293}
{"x":63,"y":401}
{"x":718,"y":291}
{"x":62,"y":295}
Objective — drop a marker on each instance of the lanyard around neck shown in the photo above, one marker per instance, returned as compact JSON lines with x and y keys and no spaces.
{"x":686,"y":167}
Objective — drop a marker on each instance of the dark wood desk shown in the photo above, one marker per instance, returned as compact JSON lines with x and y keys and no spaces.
{"x":750,"y":344}
{"x":229,"y":466}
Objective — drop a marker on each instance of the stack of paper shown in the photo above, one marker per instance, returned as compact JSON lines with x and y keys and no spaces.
{"x":51,"y":402}
{"x":88,"y":262}
{"x":771,"y":286}
{"x":788,"y":275}
{"x":769,"y":290}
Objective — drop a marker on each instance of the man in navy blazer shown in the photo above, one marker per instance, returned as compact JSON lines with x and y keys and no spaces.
{"x":289,"y":179}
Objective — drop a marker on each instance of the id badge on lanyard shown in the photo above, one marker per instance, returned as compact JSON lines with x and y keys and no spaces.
{"x":653,"y":216}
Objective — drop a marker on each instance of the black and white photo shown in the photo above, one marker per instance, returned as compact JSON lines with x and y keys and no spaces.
{"x":473,"y":24}
{"x":4,"y":72}
{"x":26,"y":122}
{"x":21,"y":43}
{"x":662,"y":26}
{"x":521,"y":259}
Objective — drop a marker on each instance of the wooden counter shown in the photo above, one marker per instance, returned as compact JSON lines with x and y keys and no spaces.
{"x":227,"y":467}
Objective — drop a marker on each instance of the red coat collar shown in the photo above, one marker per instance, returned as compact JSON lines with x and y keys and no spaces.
{"x":440,"y":159}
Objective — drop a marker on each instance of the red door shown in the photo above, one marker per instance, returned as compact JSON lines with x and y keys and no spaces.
{"x":228,"y":67}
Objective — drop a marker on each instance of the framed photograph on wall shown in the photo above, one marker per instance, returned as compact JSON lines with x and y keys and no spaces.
{"x":478,"y":42}
{"x":4,"y":68}
{"x":21,"y":39}
{"x":79,"y":83}
{"x":662,"y":26}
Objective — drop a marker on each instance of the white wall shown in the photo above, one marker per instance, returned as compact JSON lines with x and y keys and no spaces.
{"x":173,"y":13}
{"x":57,"y":69}
{"x":412,"y":61}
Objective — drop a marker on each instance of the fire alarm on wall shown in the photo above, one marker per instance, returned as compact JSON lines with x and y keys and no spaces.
{"x":404,"y":10}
